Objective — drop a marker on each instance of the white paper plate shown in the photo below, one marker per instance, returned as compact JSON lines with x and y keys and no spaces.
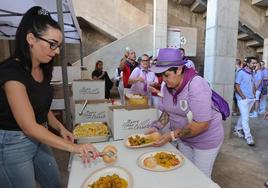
{"x":123,"y":173}
{"x":159,"y":168}
{"x":139,"y":146}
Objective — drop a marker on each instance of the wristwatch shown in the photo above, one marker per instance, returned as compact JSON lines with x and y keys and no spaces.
{"x":173,"y":136}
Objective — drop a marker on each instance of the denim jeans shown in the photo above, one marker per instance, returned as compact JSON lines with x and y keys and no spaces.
{"x":23,"y":161}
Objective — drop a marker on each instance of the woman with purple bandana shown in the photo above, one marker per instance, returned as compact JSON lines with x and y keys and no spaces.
{"x":195,"y":124}
{"x":142,"y":78}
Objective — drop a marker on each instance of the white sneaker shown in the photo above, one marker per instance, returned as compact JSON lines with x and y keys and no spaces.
{"x":253,"y":115}
{"x":239,"y":133}
{"x":250,"y":141}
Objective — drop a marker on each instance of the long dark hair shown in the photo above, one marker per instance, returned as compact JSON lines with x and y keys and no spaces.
{"x":36,"y":21}
{"x":97,"y":64}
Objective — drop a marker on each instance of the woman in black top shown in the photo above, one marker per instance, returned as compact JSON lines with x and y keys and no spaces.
{"x":25,"y":99}
{"x":99,"y":74}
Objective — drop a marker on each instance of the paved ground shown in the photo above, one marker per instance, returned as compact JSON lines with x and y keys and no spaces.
{"x":237,"y":165}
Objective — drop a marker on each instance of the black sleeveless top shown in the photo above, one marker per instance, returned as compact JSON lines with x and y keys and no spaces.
{"x":40,"y":94}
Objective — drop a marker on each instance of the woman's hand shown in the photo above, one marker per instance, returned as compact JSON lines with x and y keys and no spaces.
{"x":102,"y":74}
{"x":153,"y":90}
{"x":85,"y":150}
{"x":163,"y":140}
{"x":66,"y":135}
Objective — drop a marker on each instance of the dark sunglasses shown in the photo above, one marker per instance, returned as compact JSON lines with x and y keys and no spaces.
{"x":52,"y":44}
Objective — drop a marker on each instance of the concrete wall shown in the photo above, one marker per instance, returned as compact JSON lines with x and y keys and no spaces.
{"x":178,"y":15}
{"x":92,"y":40}
{"x":114,"y":17}
{"x":244,"y":51}
{"x":141,"y":41}
{"x":254,"y":17}
{"x":140,"y":4}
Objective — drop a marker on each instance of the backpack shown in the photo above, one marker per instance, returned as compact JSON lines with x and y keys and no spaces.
{"x":264,"y":87}
{"x":220,"y":103}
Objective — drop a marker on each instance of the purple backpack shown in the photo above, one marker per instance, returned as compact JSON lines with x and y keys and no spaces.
{"x":221,"y":104}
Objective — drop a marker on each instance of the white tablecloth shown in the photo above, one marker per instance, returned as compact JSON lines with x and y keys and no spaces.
{"x":186,"y":176}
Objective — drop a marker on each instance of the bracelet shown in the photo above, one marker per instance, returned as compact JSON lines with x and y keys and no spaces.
{"x":173,"y":136}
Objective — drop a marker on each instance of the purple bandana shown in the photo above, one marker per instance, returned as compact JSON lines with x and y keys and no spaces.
{"x":246,"y":71}
{"x":145,"y":80}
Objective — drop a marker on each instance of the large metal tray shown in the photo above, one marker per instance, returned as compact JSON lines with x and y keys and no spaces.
{"x":93,"y":139}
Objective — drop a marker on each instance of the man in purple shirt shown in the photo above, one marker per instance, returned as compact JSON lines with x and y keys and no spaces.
{"x":195,"y":123}
{"x":245,"y":95}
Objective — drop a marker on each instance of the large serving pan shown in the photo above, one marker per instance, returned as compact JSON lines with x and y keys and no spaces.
{"x":91,"y":132}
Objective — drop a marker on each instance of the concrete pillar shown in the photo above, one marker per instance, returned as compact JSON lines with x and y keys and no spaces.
{"x":160,"y":25}
{"x":265,"y":52}
{"x":220,"y":48}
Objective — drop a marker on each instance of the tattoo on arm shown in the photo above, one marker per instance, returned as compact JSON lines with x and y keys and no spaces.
{"x":164,"y":118}
{"x":184,"y":133}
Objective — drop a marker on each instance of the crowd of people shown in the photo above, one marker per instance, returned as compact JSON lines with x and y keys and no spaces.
{"x":198,"y":135}
{"x":173,"y":78}
{"x":134,"y":75}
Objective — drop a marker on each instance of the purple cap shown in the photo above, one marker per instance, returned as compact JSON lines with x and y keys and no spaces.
{"x":167,"y":58}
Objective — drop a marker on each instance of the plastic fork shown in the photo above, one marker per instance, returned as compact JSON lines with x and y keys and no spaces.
{"x":109,"y":154}
{"x":101,"y":154}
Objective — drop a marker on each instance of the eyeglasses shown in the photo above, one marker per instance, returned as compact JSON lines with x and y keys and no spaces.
{"x":145,"y":60}
{"x":52,"y":44}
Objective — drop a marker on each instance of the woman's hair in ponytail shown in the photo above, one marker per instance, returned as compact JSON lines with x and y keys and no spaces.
{"x":36,"y":21}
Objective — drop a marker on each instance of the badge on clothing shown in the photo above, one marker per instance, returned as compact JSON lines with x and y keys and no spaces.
{"x":183,"y":105}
